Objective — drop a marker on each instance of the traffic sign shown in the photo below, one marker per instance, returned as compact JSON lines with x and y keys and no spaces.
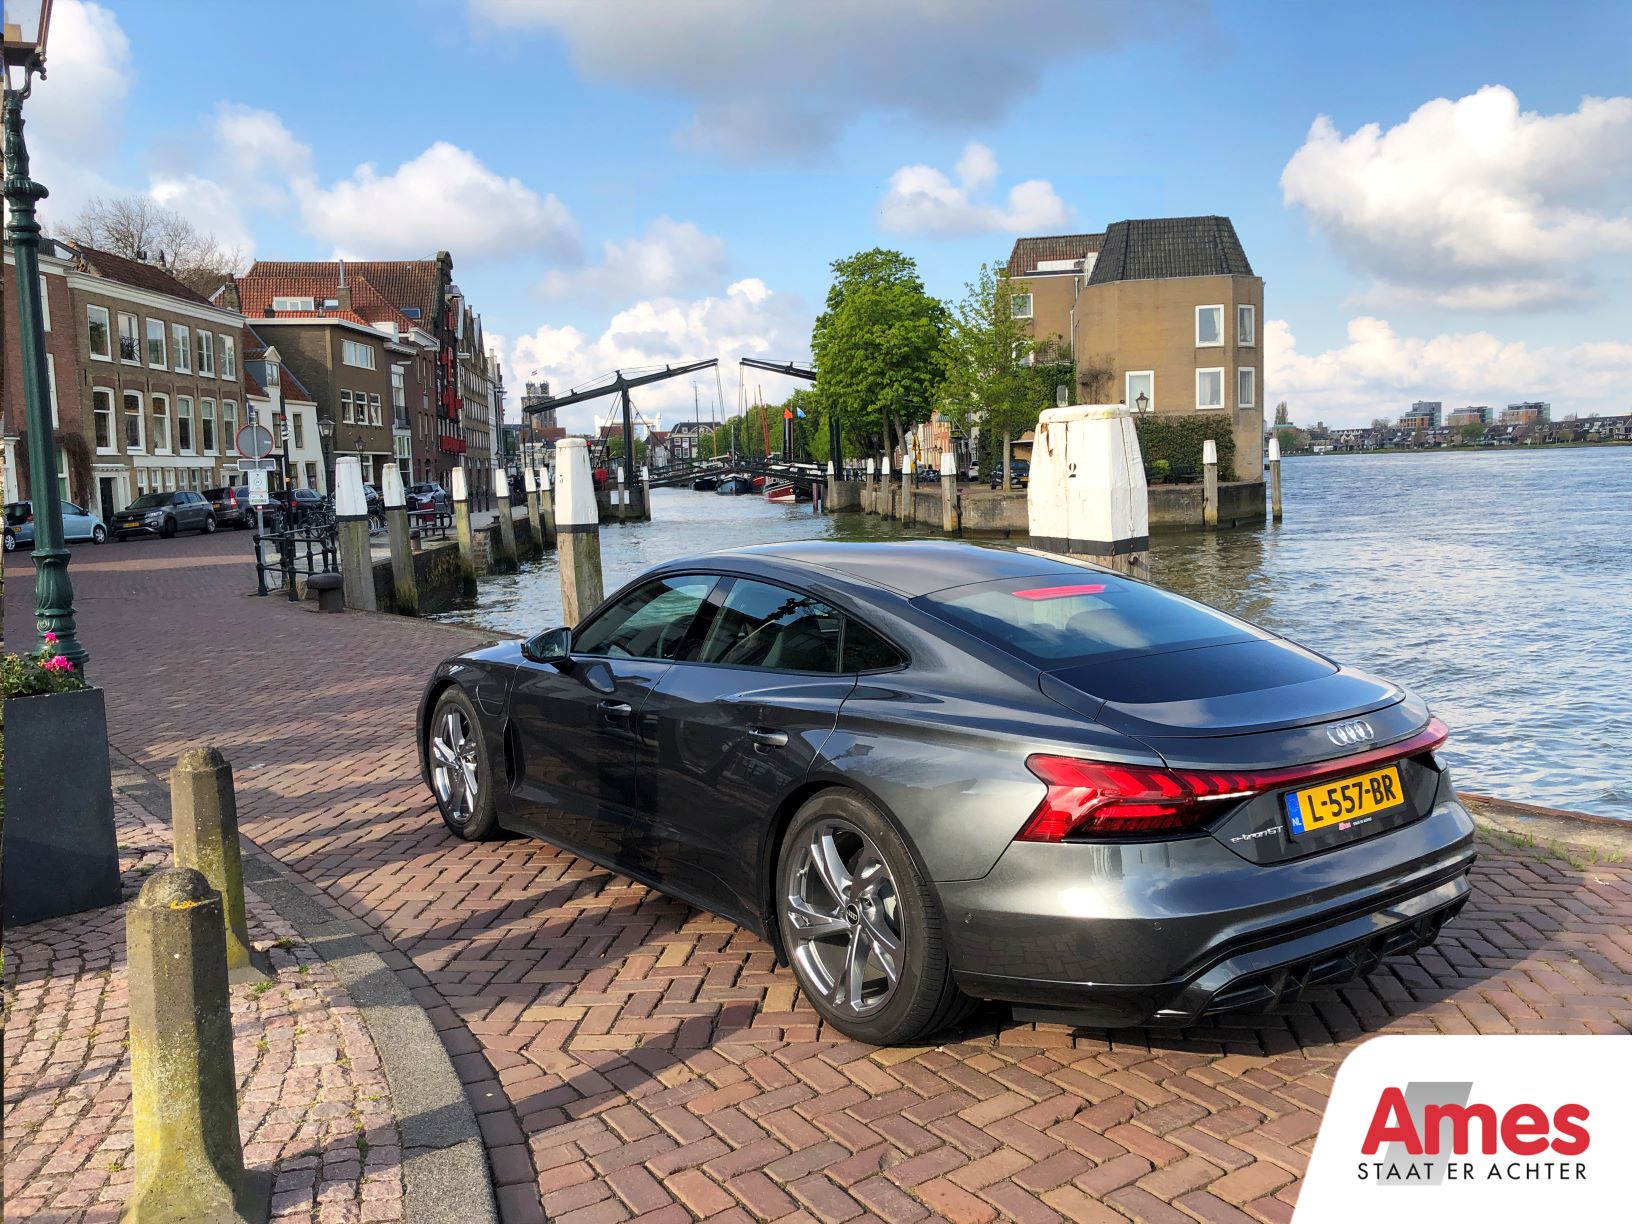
{"x":257,"y":489}
{"x":257,"y":465}
{"x":254,"y":441}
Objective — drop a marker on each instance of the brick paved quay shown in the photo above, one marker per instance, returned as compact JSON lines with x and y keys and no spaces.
{"x":630,"y":1057}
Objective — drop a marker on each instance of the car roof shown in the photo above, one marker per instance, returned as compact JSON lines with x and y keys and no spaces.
{"x":908,"y":567}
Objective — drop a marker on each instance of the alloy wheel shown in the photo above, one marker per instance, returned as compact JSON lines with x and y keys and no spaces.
{"x":453,"y":765}
{"x":843,"y":911}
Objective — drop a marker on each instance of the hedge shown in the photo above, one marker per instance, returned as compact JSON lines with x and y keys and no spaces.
{"x":1178,"y":440}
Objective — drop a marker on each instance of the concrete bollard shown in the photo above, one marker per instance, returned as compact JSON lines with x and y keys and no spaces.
{"x":356,"y":555}
{"x":506,"y":559}
{"x":204,"y":826}
{"x":1087,"y":491}
{"x":578,"y":528}
{"x":529,"y":482}
{"x":949,"y":492}
{"x":546,"y":504}
{"x":1275,"y":479}
{"x":404,"y":585}
{"x":188,"y":1155}
{"x":461,"y":528}
{"x":1209,"y":483}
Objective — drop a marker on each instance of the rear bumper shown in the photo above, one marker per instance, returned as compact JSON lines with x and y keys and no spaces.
{"x":1165,"y":933}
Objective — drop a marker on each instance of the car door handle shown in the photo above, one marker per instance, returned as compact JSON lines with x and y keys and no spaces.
{"x":764,"y":737}
{"x":616,"y":709}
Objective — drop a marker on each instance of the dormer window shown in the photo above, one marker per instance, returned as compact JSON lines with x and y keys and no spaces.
{"x":292,"y":303}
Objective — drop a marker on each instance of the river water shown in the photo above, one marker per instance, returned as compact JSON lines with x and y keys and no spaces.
{"x":1498,"y":585}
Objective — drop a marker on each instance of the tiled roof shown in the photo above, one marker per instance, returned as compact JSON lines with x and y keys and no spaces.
{"x":258,"y":286}
{"x":1169,"y":246}
{"x":402,"y":282}
{"x":138,"y":275}
{"x":1029,"y":252}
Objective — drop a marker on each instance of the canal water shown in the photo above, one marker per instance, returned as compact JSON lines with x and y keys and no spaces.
{"x":1498,"y":585}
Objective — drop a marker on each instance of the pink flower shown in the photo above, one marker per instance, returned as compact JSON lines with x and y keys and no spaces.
{"x":50,"y":639}
{"x":58,"y":663}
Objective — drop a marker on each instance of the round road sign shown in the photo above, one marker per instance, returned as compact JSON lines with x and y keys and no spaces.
{"x":254,"y":441}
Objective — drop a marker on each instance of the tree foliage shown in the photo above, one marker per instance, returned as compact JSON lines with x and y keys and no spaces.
{"x":879,"y":349}
{"x":139,"y":227}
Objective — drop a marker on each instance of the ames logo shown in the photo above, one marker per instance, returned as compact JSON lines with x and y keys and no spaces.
{"x":1522,"y":1130}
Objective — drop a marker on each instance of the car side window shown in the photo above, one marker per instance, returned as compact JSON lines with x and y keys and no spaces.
{"x":650,"y":622}
{"x":761,"y":625}
{"x":865,"y":651}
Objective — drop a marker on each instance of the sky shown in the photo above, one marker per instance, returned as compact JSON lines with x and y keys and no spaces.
{"x":1436,"y":195}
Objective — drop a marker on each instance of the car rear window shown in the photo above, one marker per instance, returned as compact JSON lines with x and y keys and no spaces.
{"x":17,"y":513}
{"x":1060,"y":619}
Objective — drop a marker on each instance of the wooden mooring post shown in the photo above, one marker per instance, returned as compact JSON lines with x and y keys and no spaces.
{"x":578,"y":531}
{"x":351,"y":512}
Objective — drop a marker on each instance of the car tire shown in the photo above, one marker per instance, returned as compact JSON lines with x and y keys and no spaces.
{"x":169,"y":529}
{"x":454,"y":738}
{"x":11,"y":542}
{"x":209,"y":525}
{"x":99,"y":534}
{"x":899,"y":904}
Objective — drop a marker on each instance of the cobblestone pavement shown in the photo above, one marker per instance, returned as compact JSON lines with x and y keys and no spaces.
{"x":314,"y":1107}
{"x":628,"y":1056}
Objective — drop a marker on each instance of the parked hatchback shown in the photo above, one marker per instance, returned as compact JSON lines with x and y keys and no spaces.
{"x":164,"y":514}
{"x":231,"y":506}
{"x":429,"y":496}
{"x":78,"y":523}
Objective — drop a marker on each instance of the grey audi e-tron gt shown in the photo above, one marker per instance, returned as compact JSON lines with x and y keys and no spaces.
{"x":930,"y":773}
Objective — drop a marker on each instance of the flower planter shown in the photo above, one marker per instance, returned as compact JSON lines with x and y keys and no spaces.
{"x":61,"y":855}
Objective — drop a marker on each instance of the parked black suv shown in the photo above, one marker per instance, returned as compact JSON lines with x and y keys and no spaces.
{"x":231,"y":506}
{"x":296,"y":505}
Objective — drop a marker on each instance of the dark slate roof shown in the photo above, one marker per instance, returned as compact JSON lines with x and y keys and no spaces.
{"x":1029,"y":252}
{"x":138,"y":275}
{"x":1169,"y":246}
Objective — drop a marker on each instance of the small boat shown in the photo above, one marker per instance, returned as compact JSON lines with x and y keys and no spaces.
{"x":781,"y":492}
{"x":759,"y":482}
{"x":734,"y":486}
{"x":705,"y":484}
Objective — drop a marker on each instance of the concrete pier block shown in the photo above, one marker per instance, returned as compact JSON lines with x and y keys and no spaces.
{"x":404,"y":585}
{"x":204,"y":826}
{"x":578,"y":531}
{"x":1209,"y":483}
{"x":189,"y":1160}
{"x":351,"y":512}
{"x":1087,"y":493}
{"x":506,"y":552}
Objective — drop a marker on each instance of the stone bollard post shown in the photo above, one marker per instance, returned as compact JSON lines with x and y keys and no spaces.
{"x":623,"y":496}
{"x":886,"y":489}
{"x":356,"y":555}
{"x":461,"y":528}
{"x":1087,"y":492}
{"x":188,"y":1155}
{"x":949,"y":492}
{"x":1209,"y":483}
{"x":529,"y":482}
{"x":404,"y":585}
{"x":204,"y":827}
{"x":1274,"y":478}
{"x":546,"y":505}
{"x":578,"y":528}
{"x":507,"y":525}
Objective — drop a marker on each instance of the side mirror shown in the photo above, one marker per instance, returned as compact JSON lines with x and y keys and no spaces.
{"x":551,"y":646}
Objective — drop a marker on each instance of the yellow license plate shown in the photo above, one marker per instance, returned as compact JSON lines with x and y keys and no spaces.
{"x":1342,"y":800}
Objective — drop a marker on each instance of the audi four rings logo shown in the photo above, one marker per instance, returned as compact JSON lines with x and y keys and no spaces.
{"x":1347,"y":735}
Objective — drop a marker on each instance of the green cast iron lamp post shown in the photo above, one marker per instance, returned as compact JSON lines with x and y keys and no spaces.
{"x":24,"y":41}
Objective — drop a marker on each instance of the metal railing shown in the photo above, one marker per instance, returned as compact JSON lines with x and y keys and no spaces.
{"x":284,"y":555}
{"x":430,"y":522}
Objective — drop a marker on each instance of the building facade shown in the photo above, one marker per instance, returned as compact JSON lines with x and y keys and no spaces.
{"x":279,"y":400}
{"x":1531,"y":412}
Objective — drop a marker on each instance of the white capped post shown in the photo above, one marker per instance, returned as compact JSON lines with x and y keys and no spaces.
{"x":351,"y":512}
{"x":1087,"y":490}
{"x":506,"y":559}
{"x":546,"y":503}
{"x":1209,"y":483}
{"x":461,"y":526}
{"x":949,"y":491}
{"x":886,"y":491}
{"x":404,"y":586}
{"x":578,"y":531}
{"x":1274,"y":478}
{"x":529,"y":483}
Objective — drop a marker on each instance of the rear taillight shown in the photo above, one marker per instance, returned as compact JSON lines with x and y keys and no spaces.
{"x":1106,"y":799}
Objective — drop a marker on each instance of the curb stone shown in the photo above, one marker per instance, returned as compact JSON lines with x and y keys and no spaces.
{"x":444,"y":1162}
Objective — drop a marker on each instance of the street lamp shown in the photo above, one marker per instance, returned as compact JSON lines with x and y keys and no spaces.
{"x":1142,"y":403}
{"x":24,"y":50}
{"x":325,"y":433}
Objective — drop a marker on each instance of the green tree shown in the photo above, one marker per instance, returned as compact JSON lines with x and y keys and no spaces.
{"x":1472,"y":431}
{"x":879,"y":349}
{"x":1283,"y":415}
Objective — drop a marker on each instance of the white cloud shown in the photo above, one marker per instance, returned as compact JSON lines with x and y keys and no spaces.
{"x":444,"y":199}
{"x":1379,"y":372}
{"x":1473,"y":204}
{"x":74,"y":117}
{"x":923,"y":200}
{"x":748,"y":319}
{"x":771,"y":79}
{"x":670,"y":257}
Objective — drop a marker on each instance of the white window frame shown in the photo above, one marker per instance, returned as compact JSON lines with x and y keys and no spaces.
{"x":154,"y":399}
{"x":205,"y":353}
{"x":356,"y":354}
{"x":373,"y":408}
{"x":297,"y":428}
{"x":229,"y":427}
{"x":190,"y":446}
{"x":91,"y":312}
{"x":1218,"y":407}
{"x":51,"y":386}
{"x":1247,"y":336}
{"x":346,"y":417}
{"x":181,"y":343}
{"x":1129,"y":398}
{"x":228,"y":366}
{"x":163,"y":363}
{"x":136,"y":341}
{"x":209,"y":443}
{"x":1014,"y":305}
{"x":113,"y":421}
{"x":141,"y":423}
{"x":1250,"y":399}
{"x":1219,"y":343}
{"x":293,"y":303}
{"x":45,"y":303}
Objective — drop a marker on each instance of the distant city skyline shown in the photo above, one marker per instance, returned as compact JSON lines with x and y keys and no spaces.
{"x":1439,"y":216}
